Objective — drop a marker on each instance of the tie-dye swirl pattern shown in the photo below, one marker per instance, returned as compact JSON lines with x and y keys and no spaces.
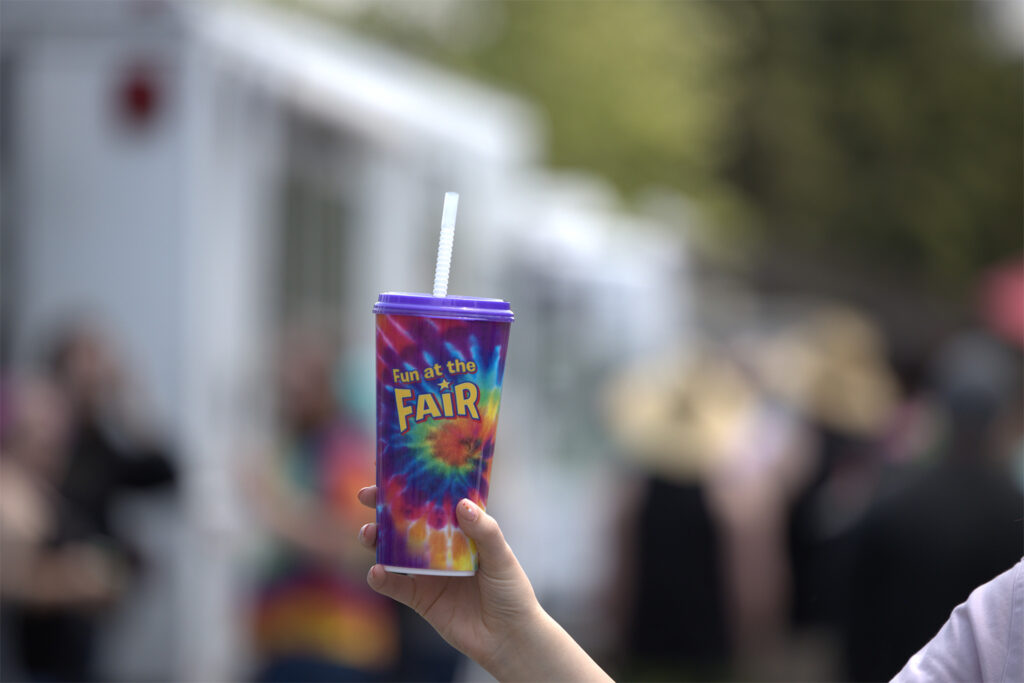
{"x":423,"y":472}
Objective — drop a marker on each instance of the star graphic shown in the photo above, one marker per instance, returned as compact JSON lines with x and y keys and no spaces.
{"x":444,"y":385}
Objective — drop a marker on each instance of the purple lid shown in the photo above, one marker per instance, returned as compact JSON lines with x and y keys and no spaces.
{"x":458,"y":307}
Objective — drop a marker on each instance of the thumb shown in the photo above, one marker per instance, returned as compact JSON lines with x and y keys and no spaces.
{"x":396,"y":586}
{"x":495,"y":555}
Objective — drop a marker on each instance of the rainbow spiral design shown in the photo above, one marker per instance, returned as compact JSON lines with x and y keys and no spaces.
{"x":425,"y":469}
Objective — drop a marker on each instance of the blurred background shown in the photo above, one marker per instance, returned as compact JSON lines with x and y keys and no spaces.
{"x":762,"y":414}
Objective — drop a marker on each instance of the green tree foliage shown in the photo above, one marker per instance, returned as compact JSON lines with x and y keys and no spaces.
{"x":888,"y":131}
{"x":885,"y":134}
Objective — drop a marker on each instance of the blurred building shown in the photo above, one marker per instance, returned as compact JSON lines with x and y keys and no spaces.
{"x":191,"y":173}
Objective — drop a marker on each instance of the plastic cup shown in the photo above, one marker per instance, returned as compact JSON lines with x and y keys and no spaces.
{"x":440,"y":362}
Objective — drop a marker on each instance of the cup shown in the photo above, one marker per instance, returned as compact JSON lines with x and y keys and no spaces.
{"x":440,"y":362}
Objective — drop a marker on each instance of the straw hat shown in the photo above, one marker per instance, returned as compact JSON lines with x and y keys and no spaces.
{"x":680,"y":415}
{"x":831,"y":366}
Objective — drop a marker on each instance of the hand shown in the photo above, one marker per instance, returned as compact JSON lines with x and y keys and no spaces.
{"x":481,"y":615}
{"x":91,"y":575}
{"x":492,"y":617}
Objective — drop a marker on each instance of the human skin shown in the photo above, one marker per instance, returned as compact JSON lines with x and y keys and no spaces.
{"x":492,"y":617}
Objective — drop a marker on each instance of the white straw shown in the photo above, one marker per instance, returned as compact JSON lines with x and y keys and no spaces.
{"x":444,"y":246}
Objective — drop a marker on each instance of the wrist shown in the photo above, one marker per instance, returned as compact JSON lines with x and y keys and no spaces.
{"x":519,"y":645}
{"x":542,"y":650}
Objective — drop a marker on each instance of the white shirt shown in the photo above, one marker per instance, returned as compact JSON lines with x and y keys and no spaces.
{"x":983,"y":639}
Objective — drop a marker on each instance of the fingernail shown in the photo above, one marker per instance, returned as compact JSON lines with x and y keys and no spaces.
{"x":375,"y":577}
{"x":469,"y":510}
{"x":362,"y":532}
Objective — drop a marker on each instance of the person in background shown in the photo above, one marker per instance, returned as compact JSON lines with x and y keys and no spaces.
{"x":56,"y":576}
{"x":77,"y":482}
{"x":829,"y":367}
{"x":719,"y":465}
{"x":675,"y":624}
{"x":113,"y":449}
{"x":313,"y":618}
{"x":948,"y":525}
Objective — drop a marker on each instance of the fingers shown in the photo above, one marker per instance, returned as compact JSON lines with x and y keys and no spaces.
{"x":368,"y":535}
{"x":368,"y":496}
{"x":495,"y":555}
{"x":398,"y":587}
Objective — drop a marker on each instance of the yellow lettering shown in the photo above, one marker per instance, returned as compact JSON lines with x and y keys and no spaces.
{"x":466,"y":396}
{"x":404,"y":411}
{"x":456,"y":366}
{"x":410,"y":376}
{"x":446,"y":402}
{"x":426,"y":406}
{"x":471,"y":366}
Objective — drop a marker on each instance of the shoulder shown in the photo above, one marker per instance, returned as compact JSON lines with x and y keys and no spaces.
{"x":982,"y":640}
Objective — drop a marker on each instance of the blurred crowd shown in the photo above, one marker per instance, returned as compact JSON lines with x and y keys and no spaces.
{"x":811,"y":505}
{"x":796,"y":503}
{"x":73,"y":442}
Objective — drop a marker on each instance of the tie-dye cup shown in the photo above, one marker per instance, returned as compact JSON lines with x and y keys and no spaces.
{"x":440,"y":362}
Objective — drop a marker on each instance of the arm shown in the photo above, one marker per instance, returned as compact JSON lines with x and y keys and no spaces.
{"x":75,"y":575}
{"x":493,"y":617}
{"x":543,"y":651}
{"x":78,"y":575}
